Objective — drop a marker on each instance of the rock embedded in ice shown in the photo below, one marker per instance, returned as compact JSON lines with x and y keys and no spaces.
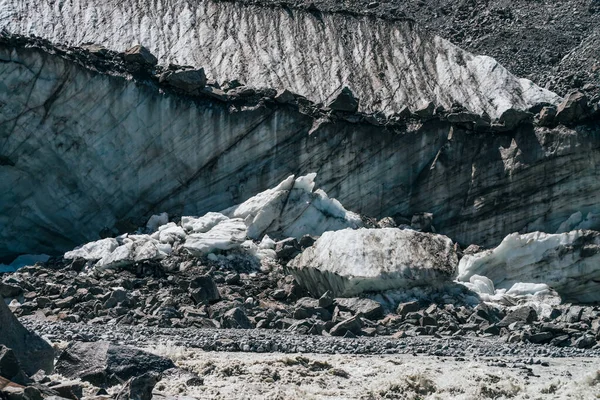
{"x":349,"y":262}
{"x":567,"y":262}
{"x":139,"y":54}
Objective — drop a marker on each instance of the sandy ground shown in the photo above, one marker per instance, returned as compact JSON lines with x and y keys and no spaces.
{"x":320,"y":376}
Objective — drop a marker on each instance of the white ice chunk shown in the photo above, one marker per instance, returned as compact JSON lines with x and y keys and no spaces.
{"x":93,"y":251}
{"x":202,"y":224}
{"x":156,"y":220}
{"x":528,"y":289}
{"x":348,"y":262}
{"x":292,"y":209}
{"x":135,"y":248}
{"x":171,"y":233}
{"x":569,"y":263}
{"x":226,"y":235}
{"x":306,"y":183}
{"x":482,"y":284}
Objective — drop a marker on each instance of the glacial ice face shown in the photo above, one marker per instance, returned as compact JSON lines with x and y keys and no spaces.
{"x":568,"y":263}
{"x":86,"y":152}
{"x":388,"y":65}
{"x":349,"y":262}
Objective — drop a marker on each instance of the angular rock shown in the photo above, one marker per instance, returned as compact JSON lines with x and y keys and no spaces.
{"x":287,"y":249}
{"x":236,"y":318}
{"x":69,"y":390}
{"x":10,"y":368}
{"x":524,"y":314}
{"x":140,"y":387}
{"x":284,"y":96}
{"x":204,"y":290}
{"x":96,"y":362}
{"x":344,"y":100}
{"x":511,"y":119}
{"x":408,"y":307}
{"x":585,"y":342}
{"x":326,"y":300}
{"x":352,"y":325}
{"x":566,"y":262}
{"x":139,"y":54}
{"x":366,"y":308}
{"x":573,"y":108}
{"x":187,"y":80}
{"x":349,"y":262}
{"x":307,"y":307}
{"x":8,"y":290}
{"x":426,"y":111}
{"x":33,"y":352}
{"x":547,"y":116}
{"x":422,"y":222}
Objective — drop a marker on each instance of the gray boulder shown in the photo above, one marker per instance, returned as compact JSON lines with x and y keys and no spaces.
{"x":33,"y":352}
{"x":204,"y":290}
{"x":141,"y":55}
{"x":344,"y":101}
{"x":367,"y":308}
{"x":573,"y":108}
{"x":140,"y":387}
{"x":236,"y":318}
{"x":187,"y":80}
{"x":102,"y":363}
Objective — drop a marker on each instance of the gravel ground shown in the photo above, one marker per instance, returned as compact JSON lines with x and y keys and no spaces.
{"x":263,"y":341}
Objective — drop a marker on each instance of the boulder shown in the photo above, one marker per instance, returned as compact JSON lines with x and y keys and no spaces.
{"x":236,"y":318}
{"x":97,"y":362}
{"x":187,"y":80}
{"x":547,"y":115}
{"x":307,"y":307}
{"x":204,"y":290}
{"x":140,"y":387}
{"x":408,"y":307}
{"x":426,"y":111}
{"x":573,"y":108}
{"x":344,"y":100}
{"x":33,"y":352}
{"x":10,"y":368}
{"x":284,"y":96}
{"x":352,"y":325}
{"x":566,"y":262}
{"x":141,"y":55}
{"x":525,"y":315}
{"x":367,"y":308}
{"x":349,"y":262}
{"x":512,"y":118}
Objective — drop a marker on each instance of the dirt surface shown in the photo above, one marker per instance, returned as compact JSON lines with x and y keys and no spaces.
{"x":553,"y":43}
